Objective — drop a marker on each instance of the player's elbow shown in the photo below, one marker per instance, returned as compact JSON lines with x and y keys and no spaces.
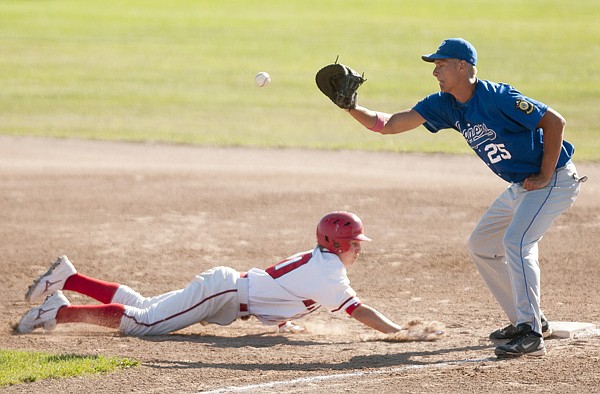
{"x":561,"y":120}
{"x":552,"y":119}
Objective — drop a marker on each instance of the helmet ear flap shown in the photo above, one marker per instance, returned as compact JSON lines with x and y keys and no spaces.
{"x":338,"y":247}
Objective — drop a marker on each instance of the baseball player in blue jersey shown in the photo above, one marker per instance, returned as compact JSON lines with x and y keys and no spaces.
{"x":521,"y":141}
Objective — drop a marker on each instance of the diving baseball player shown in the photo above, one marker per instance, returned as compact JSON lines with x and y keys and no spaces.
{"x":521,"y":141}
{"x":290,"y":289}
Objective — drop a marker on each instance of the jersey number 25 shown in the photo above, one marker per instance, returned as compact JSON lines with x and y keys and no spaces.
{"x":497,"y":152}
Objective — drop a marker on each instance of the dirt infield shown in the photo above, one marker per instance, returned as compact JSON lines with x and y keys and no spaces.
{"x":152,"y":216}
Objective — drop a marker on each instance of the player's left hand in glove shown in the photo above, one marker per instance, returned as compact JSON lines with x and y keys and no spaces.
{"x":339,"y":83}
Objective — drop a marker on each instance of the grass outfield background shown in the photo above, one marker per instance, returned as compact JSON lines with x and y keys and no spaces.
{"x":182,"y":71}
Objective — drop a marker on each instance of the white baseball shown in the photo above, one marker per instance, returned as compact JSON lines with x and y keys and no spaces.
{"x":262,"y":79}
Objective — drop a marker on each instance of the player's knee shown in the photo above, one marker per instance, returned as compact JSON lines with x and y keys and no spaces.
{"x":483,"y":248}
{"x":474,"y":245}
{"x":511,"y":240}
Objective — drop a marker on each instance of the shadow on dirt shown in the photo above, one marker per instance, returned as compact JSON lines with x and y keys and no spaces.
{"x":263,"y":340}
{"x":357,"y":362}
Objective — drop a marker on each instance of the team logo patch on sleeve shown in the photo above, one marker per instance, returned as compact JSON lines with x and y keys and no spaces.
{"x":524,"y":106}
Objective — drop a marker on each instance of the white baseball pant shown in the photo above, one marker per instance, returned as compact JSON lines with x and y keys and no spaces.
{"x":504,"y":244}
{"x":214,"y":296}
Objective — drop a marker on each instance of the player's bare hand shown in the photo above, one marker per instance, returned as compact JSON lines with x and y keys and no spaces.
{"x":535,"y":181}
{"x":289,"y":327}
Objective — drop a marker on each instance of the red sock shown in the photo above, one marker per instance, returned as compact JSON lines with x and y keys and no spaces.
{"x":108,"y":315}
{"x":95,"y":288}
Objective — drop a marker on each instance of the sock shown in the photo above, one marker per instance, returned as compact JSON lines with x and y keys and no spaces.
{"x":95,"y":288}
{"x":108,"y":315}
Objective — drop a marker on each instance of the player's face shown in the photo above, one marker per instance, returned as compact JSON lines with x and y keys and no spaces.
{"x":447,"y":72}
{"x":351,"y":255}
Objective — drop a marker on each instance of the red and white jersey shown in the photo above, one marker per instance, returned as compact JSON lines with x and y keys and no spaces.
{"x":298,"y":286}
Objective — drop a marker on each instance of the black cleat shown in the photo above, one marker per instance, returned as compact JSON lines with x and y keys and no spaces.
{"x":525,"y":343}
{"x":510,"y":331}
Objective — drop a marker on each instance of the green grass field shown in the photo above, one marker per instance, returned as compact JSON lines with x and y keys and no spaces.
{"x":23,"y":367}
{"x":182,"y":71}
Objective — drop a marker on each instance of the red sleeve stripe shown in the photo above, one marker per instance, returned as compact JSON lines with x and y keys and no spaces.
{"x":342,"y":305}
{"x":350,"y":310}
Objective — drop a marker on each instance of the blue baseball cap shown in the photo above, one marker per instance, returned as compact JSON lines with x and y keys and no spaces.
{"x":454,"y":48}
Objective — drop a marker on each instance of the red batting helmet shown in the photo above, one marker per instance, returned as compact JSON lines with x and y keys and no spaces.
{"x":337,"y":229}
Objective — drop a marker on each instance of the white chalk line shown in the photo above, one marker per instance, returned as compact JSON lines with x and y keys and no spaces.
{"x":320,"y":378}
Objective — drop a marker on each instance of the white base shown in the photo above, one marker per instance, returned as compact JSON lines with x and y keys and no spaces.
{"x":567,"y":329}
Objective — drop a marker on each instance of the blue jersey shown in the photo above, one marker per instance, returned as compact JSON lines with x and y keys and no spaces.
{"x":499,"y":124}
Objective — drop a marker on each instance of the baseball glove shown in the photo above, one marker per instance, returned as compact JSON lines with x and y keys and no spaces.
{"x":339,"y":83}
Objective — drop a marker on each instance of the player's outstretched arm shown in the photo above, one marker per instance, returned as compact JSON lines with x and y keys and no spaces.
{"x":385,"y":123}
{"x":374,"y":319}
